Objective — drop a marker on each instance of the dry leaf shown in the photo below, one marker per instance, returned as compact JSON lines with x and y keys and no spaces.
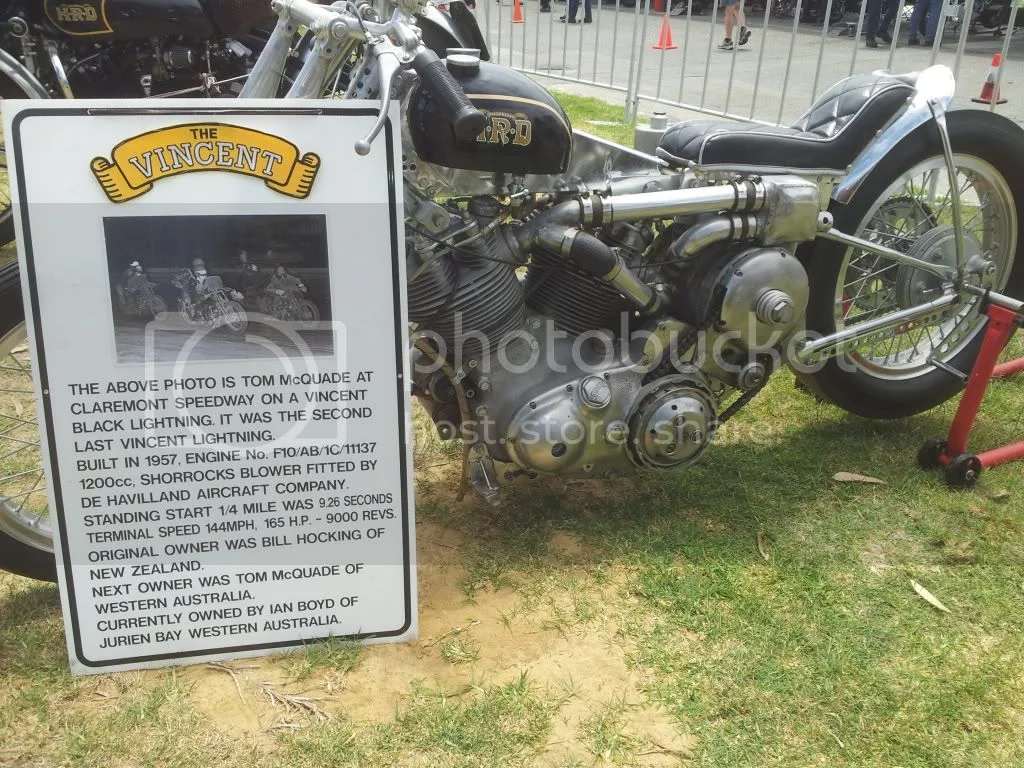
{"x":850,"y":477}
{"x":928,"y":596}
{"x":761,"y":547}
{"x":1000,"y":495}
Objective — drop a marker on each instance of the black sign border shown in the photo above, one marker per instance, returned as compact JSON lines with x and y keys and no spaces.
{"x":57,"y":504}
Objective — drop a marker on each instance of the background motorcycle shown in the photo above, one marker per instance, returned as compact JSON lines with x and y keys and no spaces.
{"x":844,"y":225}
{"x":138,"y":299}
{"x":217,"y":307}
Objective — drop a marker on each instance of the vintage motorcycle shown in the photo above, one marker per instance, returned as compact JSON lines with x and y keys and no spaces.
{"x":138,"y":299}
{"x":854,"y":247}
{"x":209,"y":304}
{"x":291,"y":306}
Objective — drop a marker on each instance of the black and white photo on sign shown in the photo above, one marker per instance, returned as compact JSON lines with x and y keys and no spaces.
{"x":208,"y":282}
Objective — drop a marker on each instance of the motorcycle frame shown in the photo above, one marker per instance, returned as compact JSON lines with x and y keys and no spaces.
{"x":934,"y":88}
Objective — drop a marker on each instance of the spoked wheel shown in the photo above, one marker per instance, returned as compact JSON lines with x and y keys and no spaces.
{"x":906,"y":204}
{"x":234,"y":319}
{"x":26,"y":538}
{"x":157,"y":306}
{"x":309,"y":315}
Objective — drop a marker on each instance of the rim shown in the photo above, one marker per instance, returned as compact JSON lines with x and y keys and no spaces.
{"x":24,"y":509}
{"x":917,"y":206}
{"x":6,"y":207}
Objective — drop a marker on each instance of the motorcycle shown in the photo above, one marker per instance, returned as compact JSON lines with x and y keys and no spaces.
{"x":291,"y":306}
{"x":210,"y":303}
{"x":853,"y":247}
{"x":137,"y":298}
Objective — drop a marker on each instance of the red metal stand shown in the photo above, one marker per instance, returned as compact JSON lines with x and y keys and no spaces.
{"x":961,"y":469}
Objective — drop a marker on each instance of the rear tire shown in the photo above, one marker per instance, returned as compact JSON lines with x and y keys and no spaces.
{"x":856,"y":382}
{"x":23,"y":550}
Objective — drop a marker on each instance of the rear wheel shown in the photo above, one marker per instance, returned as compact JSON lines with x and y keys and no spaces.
{"x":8,"y":90}
{"x":905,"y":203}
{"x":234,"y":318}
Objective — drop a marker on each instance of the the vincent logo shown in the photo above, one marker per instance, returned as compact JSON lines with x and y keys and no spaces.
{"x":136,"y":163}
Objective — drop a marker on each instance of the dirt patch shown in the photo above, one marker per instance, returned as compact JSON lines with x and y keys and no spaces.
{"x":567,"y":545}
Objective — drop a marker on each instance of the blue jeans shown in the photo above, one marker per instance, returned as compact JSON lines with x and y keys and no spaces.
{"x":574,"y":6}
{"x":934,"y":9}
{"x":879,"y":19}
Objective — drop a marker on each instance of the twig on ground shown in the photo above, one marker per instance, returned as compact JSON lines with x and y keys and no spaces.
{"x":233,"y":671}
{"x":293,"y":703}
{"x":450,"y":632}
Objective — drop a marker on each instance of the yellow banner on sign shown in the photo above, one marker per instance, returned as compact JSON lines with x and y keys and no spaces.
{"x":137,"y":163}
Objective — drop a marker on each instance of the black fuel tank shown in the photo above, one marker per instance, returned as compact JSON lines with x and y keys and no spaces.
{"x":527,"y":132}
{"x":130,"y":19}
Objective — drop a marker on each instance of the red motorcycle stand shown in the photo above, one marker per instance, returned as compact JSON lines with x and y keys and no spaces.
{"x":960,"y":468}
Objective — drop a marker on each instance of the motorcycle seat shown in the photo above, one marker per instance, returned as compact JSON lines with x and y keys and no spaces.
{"x":827,"y":138}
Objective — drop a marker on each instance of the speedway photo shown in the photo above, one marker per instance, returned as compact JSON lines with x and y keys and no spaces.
{"x":208,"y":281}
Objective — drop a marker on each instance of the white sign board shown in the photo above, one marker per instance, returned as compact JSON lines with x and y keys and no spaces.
{"x":214,"y":294}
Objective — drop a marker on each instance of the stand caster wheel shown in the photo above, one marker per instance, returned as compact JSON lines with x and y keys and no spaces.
{"x":928,"y":456}
{"x":963,"y":471}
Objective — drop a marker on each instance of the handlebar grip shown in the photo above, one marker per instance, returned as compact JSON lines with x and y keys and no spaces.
{"x":467,"y":120}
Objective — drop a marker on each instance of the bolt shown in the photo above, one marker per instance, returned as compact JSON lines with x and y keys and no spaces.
{"x":970,"y":474}
{"x":484,"y":385}
{"x":670,"y":448}
{"x":472,"y":363}
{"x":535,"y":322}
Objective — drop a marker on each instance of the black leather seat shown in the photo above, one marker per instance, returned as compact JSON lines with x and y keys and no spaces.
{"x":830,"y":135}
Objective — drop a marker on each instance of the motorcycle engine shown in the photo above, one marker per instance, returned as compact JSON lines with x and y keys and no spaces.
{"x":153,"y":67}
{"x":560,"y":374}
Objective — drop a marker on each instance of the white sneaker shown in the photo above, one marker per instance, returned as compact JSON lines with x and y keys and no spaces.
{"x":726,"y":45}
{"x":744,"y":35}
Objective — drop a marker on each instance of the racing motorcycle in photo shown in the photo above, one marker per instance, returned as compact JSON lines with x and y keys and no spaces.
{"x":654,"y":295}
{"x":137,"y":298}
{"x":204,"y":301}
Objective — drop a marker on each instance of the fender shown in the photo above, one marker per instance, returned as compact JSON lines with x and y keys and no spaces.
{"x":21,"y":77}
{"x":934,"y":83}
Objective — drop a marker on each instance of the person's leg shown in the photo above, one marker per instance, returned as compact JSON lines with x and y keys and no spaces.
{"x":587,"y":17}
{"x":920,"y":8}
{"x":545,"y":6}
{"x":730,"y":20}
{"x":934,"y":16}
{"x":741,"y":19}
{"x":889,"y":8}
{"x":871,"y":18}
{"x":570,"y":17}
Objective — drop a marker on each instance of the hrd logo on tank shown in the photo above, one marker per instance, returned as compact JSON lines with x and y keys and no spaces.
{"x":506,"y":128}
{"x":84,"y":18}
{"x":137,"y":163}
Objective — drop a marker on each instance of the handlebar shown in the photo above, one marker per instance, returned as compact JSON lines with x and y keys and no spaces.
{"x":395,"y":45}
{"x":467,"y":120}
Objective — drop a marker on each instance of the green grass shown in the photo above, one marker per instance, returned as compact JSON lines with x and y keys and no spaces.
{"x":583,"y":111}
{"x":634,"y":623}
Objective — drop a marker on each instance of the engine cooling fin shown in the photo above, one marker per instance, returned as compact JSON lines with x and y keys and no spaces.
{"x":576,"y":301}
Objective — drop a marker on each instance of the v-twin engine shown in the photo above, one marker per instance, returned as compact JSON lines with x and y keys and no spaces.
{"x":595,"y":338}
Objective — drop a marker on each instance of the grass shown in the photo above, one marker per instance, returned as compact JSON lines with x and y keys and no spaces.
{"x":748,"y":611}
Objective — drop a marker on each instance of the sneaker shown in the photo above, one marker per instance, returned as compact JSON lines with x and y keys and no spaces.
{"x":885,"y":37}
{"x":565,"y":20}
{"x":744,"y":35}
{"x":726,"y":45}
{"x":870,"y":42}
{"x":588,"y":20}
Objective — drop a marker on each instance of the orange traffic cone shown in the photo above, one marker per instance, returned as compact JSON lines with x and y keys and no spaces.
{"x":665,"y":39}
{"x":517,"y":12}
{"x":988,"y":88}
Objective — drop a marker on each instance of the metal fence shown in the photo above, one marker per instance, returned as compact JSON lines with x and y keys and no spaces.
{"x":772,"y":79}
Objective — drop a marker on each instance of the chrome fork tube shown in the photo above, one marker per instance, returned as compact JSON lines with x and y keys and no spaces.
{"x":265,"y":78}
{"x":58,"y":69}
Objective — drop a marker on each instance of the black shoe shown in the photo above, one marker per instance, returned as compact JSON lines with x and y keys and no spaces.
{"x":870,"y":42}
{"x":545,"y":9}
{"x":913,"y":41}
{"x":588,"y":21}
{"x":564,"y":20}
{"x":930,"y":43}
{"x":885,"y":37}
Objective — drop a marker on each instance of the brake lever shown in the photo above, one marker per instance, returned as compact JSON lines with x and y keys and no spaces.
{"x":388,"y":67}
